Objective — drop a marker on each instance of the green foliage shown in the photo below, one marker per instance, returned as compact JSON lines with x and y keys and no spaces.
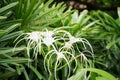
{"x":21,"y":19}
{"x":8,"y":60}
{"x":36,"y":14}
{"x":108,"y":41}
{"x":104,"y":75}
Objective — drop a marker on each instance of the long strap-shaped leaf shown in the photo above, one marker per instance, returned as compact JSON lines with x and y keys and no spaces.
{"x":8,"y":7}
{"x":102,"y":73}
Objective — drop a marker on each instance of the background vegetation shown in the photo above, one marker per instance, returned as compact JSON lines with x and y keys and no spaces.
{"x":96,"y":21}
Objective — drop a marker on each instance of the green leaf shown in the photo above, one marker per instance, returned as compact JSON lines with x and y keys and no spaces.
{"x":26,"y":74}
{"x":7,"y":75}
{"x":82,"y":16}
{"x":101,"y":78}
{"x":8,"y":7}
{"x":19,"y":70}
{"x":89,"y":25}
{"x":78,"y":76}
{"x":11,"y":50}
{"x":3,"y":17}
{"x":103,"y":73}
{"x":118,"y":10}
{"x":11,"y":28}
{"x":10,"y":36}
{"x":36,"y":72}
{"x":9,"y":23}
{"x":14,"y":60}
{"x":109,"y":45}
{"x":2,"y":32}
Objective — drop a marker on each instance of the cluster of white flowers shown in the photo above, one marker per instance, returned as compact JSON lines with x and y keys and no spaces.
{"x":59,"y":42}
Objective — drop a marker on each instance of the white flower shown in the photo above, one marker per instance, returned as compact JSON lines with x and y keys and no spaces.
{"x":71,"y":41}
{"x":61,"y":44}
{"x":60,"y":56}
{"x":33,"y":40}
{"x":85,"y":43}
{"x":34,"y":36}
{"x":48,"y":38}
{"x":68,"y":44}
{"x":48,"y":41}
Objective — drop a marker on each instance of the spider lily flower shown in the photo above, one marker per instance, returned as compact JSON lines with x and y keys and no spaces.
{"x":48,"y":38}
{"x":72,"y":40}
{"x":64,"y":51}
{"x":34,"y":36}
{"x":83,"y":58}
{"x":85,"y":43}
{"x":32,"y":39}
{"x":69,"y":44}
{"x":61,"y":55}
